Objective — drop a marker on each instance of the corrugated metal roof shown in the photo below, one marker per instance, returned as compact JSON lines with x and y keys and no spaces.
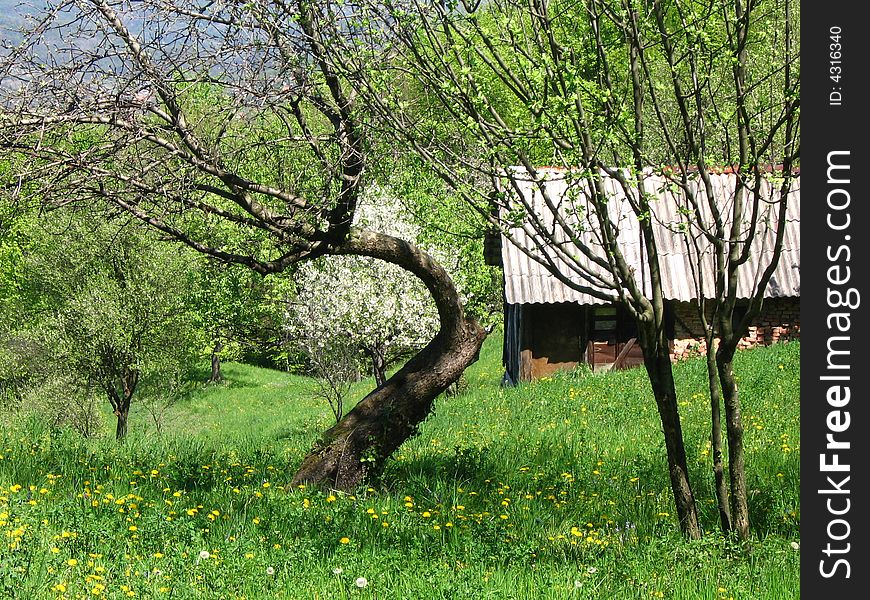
{"x":565,"y":213}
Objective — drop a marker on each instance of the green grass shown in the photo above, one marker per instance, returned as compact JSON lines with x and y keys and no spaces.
{"x":556,"y":489}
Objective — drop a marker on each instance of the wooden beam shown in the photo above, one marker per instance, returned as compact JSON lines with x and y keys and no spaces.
{"x":618,"y":363}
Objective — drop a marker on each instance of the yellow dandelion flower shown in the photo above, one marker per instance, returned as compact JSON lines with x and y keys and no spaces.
{"x":344,"y":540}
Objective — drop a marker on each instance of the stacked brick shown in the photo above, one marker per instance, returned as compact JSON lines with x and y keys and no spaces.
{"x":779,"y":321}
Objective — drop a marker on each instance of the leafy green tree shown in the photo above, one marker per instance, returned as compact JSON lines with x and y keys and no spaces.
{"x":237,"y":311}
{"x":104,"y":308}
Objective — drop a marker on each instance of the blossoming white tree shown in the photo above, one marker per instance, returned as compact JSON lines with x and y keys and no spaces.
{"x":352,"y":307}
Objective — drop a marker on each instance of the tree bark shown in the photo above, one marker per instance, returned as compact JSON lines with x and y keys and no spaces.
{"x":379,"y":365}
{"x":716,"y":439}
{"x":121,"y":427}
{"x":120,"y":401}
{"x":657,"y":361}
{"x":736,"y":460}
{"x":356,"y":447}
{"x":216,"y":374}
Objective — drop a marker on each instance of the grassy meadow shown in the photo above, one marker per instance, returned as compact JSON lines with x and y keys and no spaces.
{"x":556,"y":489}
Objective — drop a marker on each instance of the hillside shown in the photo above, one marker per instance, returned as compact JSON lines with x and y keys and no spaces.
{"x":556,"y":489}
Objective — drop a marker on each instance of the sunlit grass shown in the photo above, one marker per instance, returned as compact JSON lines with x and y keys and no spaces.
{"x":556,"y":489}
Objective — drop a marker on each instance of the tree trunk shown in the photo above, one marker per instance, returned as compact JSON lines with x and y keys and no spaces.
{"x":216,"y":363}
{"x":121,"y":401}
{"x":734,"y":426}
{"x":657,"y":361}
{"x":356,"y":447}
{"x":121,"y":427}
{"x":379,"y":365}
{"x":716,"y":439}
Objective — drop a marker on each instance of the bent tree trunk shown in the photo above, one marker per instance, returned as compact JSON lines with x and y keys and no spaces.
{"x":657,"y":361}
{"x":357,"y":446}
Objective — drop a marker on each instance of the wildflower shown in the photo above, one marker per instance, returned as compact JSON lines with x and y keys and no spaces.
{"x":591,"y":570}
{"x":330,"y":498}
{"x":426,"y":514}
{"x":578,"y":584}
{"x":337,"y":570}
{"x":796,"y":545}
{"x":344,"y":540}
{"x":270,"y":570}
{"x":204,"y":554}
{"x":72,"y":562}
{"x":361,"y":582}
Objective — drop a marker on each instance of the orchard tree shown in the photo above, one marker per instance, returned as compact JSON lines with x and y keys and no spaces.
{"x":358,"y":306}
{"x":235,"y":310}
{"x":620,"y":97}
{"x":102,"y":308}
{"x":224,"y":126}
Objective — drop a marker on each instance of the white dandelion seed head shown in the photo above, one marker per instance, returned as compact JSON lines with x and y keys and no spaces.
{"x":337,"y":571}
{"x":270,"y":570}
{"x":796,"y":545}
{"x":578,"y":584}
{"x":361,"y":582}
{"x":592,"y":570}
{"x":204,"y":554}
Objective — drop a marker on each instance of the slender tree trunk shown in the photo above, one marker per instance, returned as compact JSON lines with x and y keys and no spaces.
{"x":657,"y":361}
{"x":716,"y":438}
{"x":121,"y":427}
{"x":736,"y":461}
{"x":120,"y":401}
{"x":356,"y":447}
{"x":379,"y":365}
{"x":216,"y":363}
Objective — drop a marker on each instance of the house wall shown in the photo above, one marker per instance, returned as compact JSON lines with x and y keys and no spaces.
{"x":550,"y":339}
{"x":553,"y":337}
{"x":778,"y":321}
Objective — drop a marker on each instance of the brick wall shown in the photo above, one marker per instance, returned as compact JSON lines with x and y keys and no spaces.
{"x":778,"y":321}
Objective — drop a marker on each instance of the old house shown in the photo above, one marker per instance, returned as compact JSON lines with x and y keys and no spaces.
{"x":550,"y":326}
